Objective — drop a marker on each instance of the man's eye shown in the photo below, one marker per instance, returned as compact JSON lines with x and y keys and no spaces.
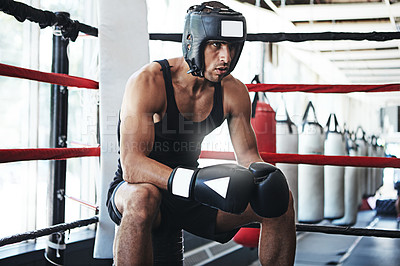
{"x":216,"y":44}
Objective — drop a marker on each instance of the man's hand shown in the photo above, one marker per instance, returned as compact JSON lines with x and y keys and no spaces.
{"x":227,"y":187}
{"x":271,"y":195}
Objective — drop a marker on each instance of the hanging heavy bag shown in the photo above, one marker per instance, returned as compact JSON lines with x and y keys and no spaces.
{"x":333,"y":175}
{"x":371,"y":175}
{"x":264,"y":124}
{"x":287,"y":142}
{"x":368,"y":170}
{"x":350,"y":185}
{"x":362,"y":150}
{"x":311,"y":177}
{"x":379,"y":171}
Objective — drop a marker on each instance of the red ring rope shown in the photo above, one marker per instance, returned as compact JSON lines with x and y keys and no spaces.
{"x":71,"y":81}
{"x":317,"y":88}
{"x":14,"y":155}
{"x":83,"y":202}
{"x":54,"y":78}
{"x":361,"y":161}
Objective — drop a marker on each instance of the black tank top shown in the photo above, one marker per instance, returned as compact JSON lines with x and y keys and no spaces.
{"x":177,"y":140}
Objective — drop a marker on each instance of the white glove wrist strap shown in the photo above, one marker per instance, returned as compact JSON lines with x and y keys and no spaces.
{"x":181,"y":182}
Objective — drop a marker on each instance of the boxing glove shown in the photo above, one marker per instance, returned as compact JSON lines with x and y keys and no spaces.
{"x":271,"y":195}
{"x":227,"y":187}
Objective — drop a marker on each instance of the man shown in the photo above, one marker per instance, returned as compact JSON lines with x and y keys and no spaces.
{"x":167,"y":109}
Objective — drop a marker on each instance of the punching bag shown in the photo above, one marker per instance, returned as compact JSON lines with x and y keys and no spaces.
{"x":264,"y":125}
{"x":333,"y":175}
{"x":361,"y":171}
{"x":371,"y":176}
{"x":350,"y":185}
{"x":287,"y":142}
{"x":311,"y":177}
{"x":379,"y":171}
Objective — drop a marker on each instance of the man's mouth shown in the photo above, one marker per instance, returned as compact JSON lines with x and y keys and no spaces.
{"x":221,"y":70}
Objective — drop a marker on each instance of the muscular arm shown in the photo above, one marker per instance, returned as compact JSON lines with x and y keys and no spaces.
{"x":274,"y":230}
{"x":143,"y":99}
{"x":242,"y":135}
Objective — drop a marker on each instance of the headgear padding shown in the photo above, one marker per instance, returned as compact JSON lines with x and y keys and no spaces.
{"x":204,"y":23}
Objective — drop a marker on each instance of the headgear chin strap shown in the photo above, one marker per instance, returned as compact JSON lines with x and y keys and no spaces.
{"x":204,"y":23}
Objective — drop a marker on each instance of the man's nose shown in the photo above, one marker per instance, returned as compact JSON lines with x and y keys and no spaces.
{"x":225,"y":53}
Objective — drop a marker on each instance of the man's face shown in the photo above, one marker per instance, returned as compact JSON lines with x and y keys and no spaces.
{"x":217,"y":59}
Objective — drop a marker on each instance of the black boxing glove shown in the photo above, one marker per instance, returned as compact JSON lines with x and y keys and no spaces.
{"x":227,"y":187}
{"x":271,"y":195}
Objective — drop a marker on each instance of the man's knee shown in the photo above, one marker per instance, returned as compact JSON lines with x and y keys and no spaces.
{"x":290,"y":210}
{"x":139,"y":201}
{"x":288,"y":216}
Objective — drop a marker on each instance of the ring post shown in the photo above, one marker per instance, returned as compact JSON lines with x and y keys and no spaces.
{"x":58,"y":139}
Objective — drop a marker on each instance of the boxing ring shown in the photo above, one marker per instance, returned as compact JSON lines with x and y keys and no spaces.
{"x":62,"y":154}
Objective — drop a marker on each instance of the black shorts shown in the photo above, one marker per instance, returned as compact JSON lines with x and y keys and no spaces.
{"x":177,"y":214}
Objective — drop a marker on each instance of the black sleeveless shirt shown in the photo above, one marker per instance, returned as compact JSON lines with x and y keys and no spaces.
{"x":177,"y":140}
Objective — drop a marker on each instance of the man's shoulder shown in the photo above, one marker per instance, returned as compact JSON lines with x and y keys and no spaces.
{"x":153,"y":70}
{"x":145,"y":89}
{"x":148,"y":75}
{"x":232,"y":84}
{"x":236,"y":96}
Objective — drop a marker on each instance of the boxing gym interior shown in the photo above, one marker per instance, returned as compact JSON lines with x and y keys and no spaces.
{"x":324,"y":80}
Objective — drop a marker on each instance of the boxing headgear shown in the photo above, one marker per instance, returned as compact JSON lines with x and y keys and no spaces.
{"x":204,"y":23}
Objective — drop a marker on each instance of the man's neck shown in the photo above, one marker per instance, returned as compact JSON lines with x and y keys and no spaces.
{"x":195,"y":84}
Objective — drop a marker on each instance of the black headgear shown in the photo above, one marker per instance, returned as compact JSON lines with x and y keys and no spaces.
{"x":204,"y":23}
